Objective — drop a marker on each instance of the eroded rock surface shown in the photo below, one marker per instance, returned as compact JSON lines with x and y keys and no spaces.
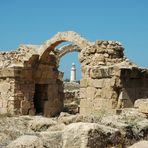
{"x":102,"y":130}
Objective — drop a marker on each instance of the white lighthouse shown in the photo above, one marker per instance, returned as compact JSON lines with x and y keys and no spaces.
{"x":73,"y":73}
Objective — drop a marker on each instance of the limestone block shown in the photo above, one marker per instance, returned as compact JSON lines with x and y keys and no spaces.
{"x":7,"y":72}
{"x":142,"y":105}
{"x":84,"y":111}
{"x":97,"y":73}
{"x":52,"y":139}
{"x":83,"y":83}
{"x":102,"y":104}
{"x":39,"y":123}
{"x":98,"y":94}
{"x":86,"y":106}
{"x":87,"y":103}
{"x":52,"y":108}
{"x":4,"y":87}
{"x":98,"y":58}
{"x":92,"y":135}
{"x":83,"y":93}
{"x":25,"y":104}
{"x":91,"y":91}
{"x":105,"y":72}
{"x":97,"y":83}
{"x":113,"y":81}
{"x":26,"y":141}
{"x":107,"y":92}
{"x":85,"y":71}
{"x":10,"y":105}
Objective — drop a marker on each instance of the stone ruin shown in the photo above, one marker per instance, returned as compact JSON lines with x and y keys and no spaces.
{"x":30,"y":82}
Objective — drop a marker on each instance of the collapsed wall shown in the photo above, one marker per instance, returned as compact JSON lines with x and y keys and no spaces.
{"x":110,"y":81}
{"x":29,"y":85}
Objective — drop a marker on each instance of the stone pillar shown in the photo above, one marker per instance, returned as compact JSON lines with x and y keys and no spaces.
{"x":73,"y":73}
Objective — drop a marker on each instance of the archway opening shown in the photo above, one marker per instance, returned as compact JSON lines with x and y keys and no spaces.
{"x":71,"y":88}
{"x":54,"y":104}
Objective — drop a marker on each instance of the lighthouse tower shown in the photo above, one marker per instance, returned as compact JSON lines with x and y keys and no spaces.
{"x":73,"y":73}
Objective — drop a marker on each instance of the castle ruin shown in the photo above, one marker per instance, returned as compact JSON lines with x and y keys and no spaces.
{"x":30,"y":81}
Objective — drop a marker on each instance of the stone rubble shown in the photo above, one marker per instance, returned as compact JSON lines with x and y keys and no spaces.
{"x":70,"y":131}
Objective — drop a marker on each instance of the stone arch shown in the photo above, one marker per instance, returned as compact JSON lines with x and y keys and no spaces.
{"x":68,"y":48}
{"x":60,"y":37}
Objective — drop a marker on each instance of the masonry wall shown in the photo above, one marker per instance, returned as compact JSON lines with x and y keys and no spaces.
{"x":18,"y":88}
{"x":109,"y":80}
{"x":30,"y":83}
{"x":6,"y":95}
{"x":100,"y":91}
{"x":134,"y":86}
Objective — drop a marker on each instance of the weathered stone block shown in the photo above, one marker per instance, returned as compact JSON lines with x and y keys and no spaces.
{"x":7,"y":72}
{"x":83,"y":93}
{"x":26,"y":141}
{"x":10,"y":105}
{"x":91,"y":91}
{"x":142,"y":105}
{"x":5,"y":87}
{"x":98,"y":94}
{"x":83,"y":83}
{"x":102,"y":104}
{"x":90,"y":135}
{"x":25,"y":104}
{"x":107,"y":92}
{"x":97,"y":73}
{"x":97,"y":83}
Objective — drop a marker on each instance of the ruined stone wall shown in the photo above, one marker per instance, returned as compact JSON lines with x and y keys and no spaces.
{"x":7,"y":86}
{"x":134,"y":86}
{"x":20,"y":82}
{"x":30,"y":81}
{"x":103,"y":83}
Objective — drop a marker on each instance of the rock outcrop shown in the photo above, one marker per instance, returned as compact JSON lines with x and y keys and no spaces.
{"x":64,"y":131}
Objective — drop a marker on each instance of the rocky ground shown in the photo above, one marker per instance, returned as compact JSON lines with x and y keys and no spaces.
{"x":74,"y":131}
